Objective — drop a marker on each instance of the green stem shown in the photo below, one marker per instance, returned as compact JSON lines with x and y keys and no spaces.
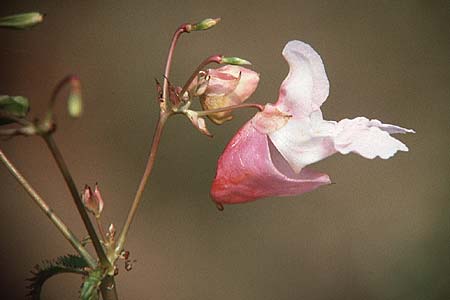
{"x":148,"y":170}
{"x":48,"y":211}
{"x":77,"y":199}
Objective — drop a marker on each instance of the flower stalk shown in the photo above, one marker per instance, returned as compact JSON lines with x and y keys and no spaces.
{"x":148,"y":170}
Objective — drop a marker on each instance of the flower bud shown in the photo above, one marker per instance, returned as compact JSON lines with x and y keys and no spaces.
{"x":93,"y":201}
{"x":22,"y":21}
{"x":75,"y":101}
{"x":203,"y":25}
{"x":234,"y":61}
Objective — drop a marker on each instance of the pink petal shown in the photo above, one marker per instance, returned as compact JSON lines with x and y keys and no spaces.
{"x":247,"y":83}
{"x":368,"y":138}
{"x":306,"y":86}
{"x":251,"y":168}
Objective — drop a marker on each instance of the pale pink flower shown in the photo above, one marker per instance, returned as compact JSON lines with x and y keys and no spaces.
{"x":268,"y":155}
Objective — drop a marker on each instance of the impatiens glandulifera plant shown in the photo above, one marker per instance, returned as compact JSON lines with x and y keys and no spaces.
{"x":266,"y":157}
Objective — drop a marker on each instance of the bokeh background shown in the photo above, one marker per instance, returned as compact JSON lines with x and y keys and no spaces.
{"x":381,"y":232}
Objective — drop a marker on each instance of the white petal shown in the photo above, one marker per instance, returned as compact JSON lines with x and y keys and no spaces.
{"x":304,"y":141}
{"x":306,"y":87}
{"x":368,"y":138}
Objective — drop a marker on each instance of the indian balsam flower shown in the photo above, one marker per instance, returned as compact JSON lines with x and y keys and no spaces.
{"x":268,"y":155}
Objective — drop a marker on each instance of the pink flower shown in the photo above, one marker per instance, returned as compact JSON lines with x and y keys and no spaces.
{"x":267,"y":156}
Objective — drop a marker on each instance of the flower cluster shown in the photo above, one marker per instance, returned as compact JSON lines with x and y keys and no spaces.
{"x":268,"y":155}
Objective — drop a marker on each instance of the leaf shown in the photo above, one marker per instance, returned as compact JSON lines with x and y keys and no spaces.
{"x":48,"y":268}
{"x":16,"y":106}
{"x":21,"y":21}
{"x":91,"y":284}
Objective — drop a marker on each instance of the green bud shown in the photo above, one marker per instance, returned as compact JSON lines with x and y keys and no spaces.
{"x":234,"y":61}
{"x":75,"y":101}
{"x":22,"y":21}
{"x":17,"y":106}
{"x":204,"y":25}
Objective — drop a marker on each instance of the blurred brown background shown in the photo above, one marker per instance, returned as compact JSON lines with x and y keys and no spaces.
{"x":381,"y":232}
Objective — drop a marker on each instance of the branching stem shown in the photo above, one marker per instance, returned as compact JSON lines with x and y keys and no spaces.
{"x":66,"y":232}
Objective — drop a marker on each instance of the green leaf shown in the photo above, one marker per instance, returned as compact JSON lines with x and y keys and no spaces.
{"x":91,"y":285}
{"x":48,"y":268}
{"x":21,"y":21}
{"x":16,"y":106}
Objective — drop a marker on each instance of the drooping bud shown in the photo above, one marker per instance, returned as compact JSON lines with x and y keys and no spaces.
{"x":203,"y":25}
{"x":234,"y":61}
{"x":21,"y":21}
{"x":75,"y":101}
{"x":227,"y":86}
{"x":93,"y":201}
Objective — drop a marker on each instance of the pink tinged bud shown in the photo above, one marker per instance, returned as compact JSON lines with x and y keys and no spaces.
{"x":93,"y":201}
{"x":99,"y":199}
{"x":228,"y":85}
{"x":75,"y":100}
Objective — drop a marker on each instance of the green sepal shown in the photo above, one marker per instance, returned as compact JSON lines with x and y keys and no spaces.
{"x":21,"y":21}
{"x":49,"y":268}
{"x":16,"y":106}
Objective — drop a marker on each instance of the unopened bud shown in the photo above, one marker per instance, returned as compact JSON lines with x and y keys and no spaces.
{"x":75,"y":101}
{"x":203,"y":25}
{"x":92,"y":201}
{"x":22,"y":21}
{"x":234,"y":61}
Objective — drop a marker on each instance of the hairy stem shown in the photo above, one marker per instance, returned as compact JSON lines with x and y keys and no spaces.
{"x":73,"y":240}
{"x":77,"y":199}
{"x":148,"y":170}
